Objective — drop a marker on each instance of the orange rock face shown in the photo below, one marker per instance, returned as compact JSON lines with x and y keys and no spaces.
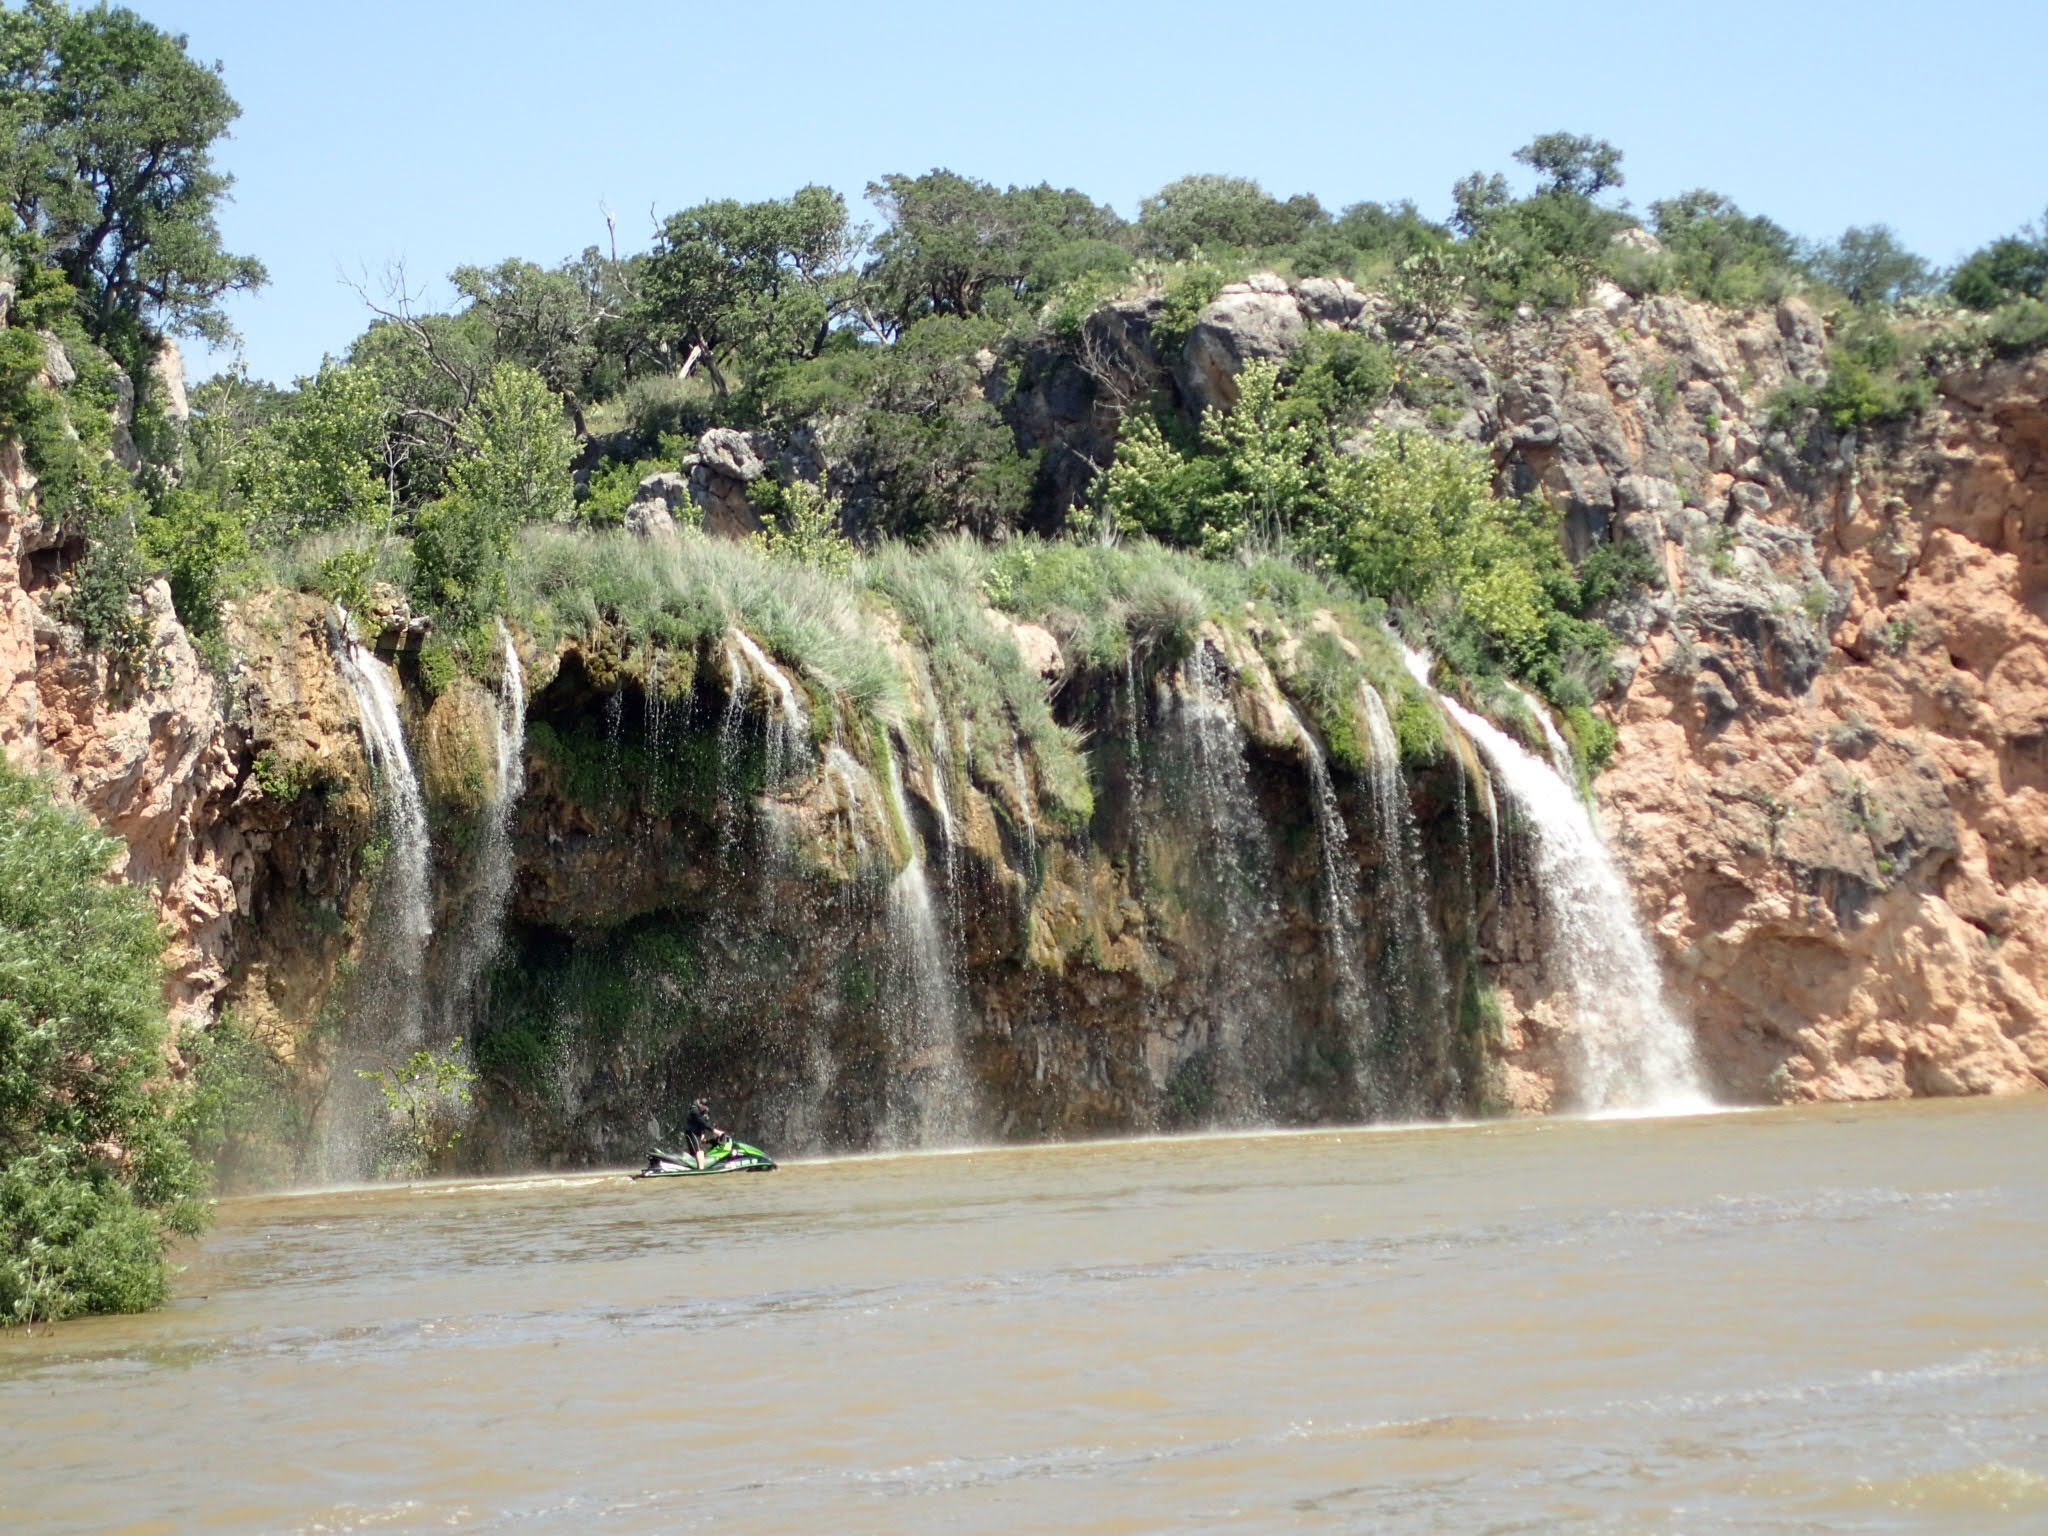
{"x":1850,"y":880}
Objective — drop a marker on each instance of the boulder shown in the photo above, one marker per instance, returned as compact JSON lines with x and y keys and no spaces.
{"x":726,"y":462}
{"x":1248,"y":321}
{"x":57,"y":363}
{"x":1330,"y":300}
{"x":651,"y":513}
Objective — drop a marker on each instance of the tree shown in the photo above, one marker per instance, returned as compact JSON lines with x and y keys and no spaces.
{"x":1870,"y":266}
{"x":952,"y":243}
{"x":1475,"y":198}
{"x":548,"y":320}
{"x":110,"y":167}
{"x":1205,"y":212}
{"x":323,"y":461}
{"x":938,"y":453}
{"x":1719,"y":252}
{"x":750,"y":282}
{"x":1572,"y":162}
{"x":520,"y":449}
{"x":516,"y":471}
{"x":91,"y":1176}
{"x":2015,"y":267}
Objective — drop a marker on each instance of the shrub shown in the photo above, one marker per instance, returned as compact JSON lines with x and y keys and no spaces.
{"x":92,"y":1177}
{"x":2020,"y":327}
{"x":203,"y":546}
{"x":238,"y":1114}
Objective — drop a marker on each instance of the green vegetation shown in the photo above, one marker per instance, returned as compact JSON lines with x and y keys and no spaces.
{"x":111,"y":169}
{"x":93,"y":1177}
{"x":426,"y":1102}
{"x":1410,"y":520}
{"x":238,"y":1113}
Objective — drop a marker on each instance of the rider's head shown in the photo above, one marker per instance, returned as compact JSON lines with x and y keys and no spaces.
{"x":704,"y":1105}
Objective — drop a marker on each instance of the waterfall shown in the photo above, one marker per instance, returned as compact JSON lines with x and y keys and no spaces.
{"x":1417,"y":980}
{"x":392,"y":971}
{"x":482,"y":921}
{"x":1341,"y":920}
{"x":1024,"y":802}
{"x":927,"y":1100}
{"x":1632,"y":1052}
{"x":786,"y":733}
{"x":840,"y":765}
{"x":1554,"y":744}
{"x":1249,"y":990}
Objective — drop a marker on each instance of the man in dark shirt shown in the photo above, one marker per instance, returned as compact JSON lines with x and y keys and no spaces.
{"x":698,"y":1131}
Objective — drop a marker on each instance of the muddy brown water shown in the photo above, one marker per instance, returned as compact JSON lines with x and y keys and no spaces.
{"x":1828,"y":1320}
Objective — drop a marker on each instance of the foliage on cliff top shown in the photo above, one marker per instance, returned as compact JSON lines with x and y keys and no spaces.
{"x":92,"y":1177}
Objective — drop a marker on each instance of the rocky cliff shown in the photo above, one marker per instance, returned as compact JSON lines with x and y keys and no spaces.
{"x":1827,"y":793}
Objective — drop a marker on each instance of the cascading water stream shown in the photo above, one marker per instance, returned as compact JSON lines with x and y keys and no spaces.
{"x":1022,"y":781}
{"x":928,"y":1093}
{"x":1341,"y":920}
{"x":1632,"y":1052}
{"x":786,"y":732}
{"x":475,"y":944}
{"x":1249,"y":987}
{"x":840,"y":764}
{"x":405,"y":899}
{"x":1417,"y":981}
{"x":1553,"y":742}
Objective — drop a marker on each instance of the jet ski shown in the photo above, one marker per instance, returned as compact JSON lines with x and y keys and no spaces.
{"x":723,"y":1156}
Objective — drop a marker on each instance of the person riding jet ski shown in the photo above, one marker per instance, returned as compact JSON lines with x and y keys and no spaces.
{"x":699,"y":1132}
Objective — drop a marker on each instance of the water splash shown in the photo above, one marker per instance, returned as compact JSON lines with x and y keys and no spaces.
{"x":1631,"y":1051}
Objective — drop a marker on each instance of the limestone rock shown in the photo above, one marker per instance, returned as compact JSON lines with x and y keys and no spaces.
{"x":1248,"y":321}
{"x":725,"y":463}
{"x":651,"y":513}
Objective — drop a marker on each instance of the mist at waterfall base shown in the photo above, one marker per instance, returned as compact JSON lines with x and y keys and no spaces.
{"x":1187,"y":783}
{"x":1827,"y":1319}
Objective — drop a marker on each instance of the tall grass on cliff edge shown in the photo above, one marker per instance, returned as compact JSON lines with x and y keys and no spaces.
{"x":984,"y":683}
{"x":92,"y":1176}
{"x":563,"y":583}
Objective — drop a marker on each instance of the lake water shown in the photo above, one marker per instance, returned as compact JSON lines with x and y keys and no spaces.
{"x":1823,"y":1320}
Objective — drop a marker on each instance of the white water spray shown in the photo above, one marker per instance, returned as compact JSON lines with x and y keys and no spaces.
{"x":1632,"y":1052}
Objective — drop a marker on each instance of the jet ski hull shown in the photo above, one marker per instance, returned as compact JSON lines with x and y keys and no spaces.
{"x":738,"y":1158}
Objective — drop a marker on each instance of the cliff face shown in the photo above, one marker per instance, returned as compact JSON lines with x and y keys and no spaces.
{"x":1849,"y":875}
{"x":142,"y":748}
{"x":1832,"y":718}
{"x":1828,"y":795}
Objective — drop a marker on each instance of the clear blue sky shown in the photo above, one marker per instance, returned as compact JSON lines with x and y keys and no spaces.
{"x":445,"y":133}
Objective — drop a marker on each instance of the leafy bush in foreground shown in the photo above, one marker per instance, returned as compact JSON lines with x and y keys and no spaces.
{"x":92,"y":1175}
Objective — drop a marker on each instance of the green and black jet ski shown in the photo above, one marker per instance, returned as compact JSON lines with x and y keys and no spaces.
{"x":726,"y":1156}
